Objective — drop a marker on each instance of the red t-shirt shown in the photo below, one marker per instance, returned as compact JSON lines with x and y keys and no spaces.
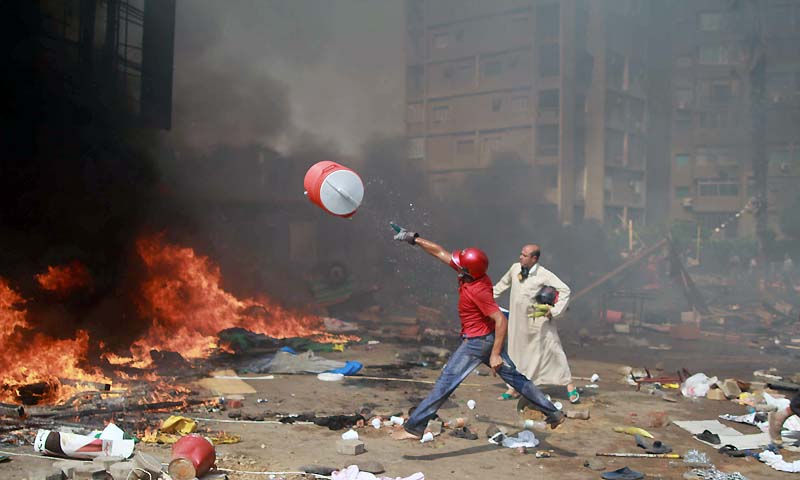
{"x":475,"y":304}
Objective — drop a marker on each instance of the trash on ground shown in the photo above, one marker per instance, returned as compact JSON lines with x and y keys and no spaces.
{"x":633,"y":431}
{"x":697,"y":385}
{"x":778,"y":463}
{"x":192,"y":456}
{"x":353,"y":473}
{"x":108,"y":442}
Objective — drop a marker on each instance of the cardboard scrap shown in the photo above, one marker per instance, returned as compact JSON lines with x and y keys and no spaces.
{"x":226,"y":386}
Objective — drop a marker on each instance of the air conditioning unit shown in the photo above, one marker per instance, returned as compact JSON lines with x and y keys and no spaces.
{"x":687,"y":202}
{"x":777,"y":98}
{"x":785,"y":167}
{"x":683,"y":105}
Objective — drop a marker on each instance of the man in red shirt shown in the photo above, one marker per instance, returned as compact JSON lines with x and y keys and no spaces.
{"x":483,"y":330}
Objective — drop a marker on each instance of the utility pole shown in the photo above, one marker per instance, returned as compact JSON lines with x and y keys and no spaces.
{"x":758,"y":69}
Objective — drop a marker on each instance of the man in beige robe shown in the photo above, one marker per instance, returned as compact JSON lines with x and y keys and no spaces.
{"x":533,"y":343}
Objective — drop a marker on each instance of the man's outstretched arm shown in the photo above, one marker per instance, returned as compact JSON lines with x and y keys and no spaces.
{"x":432,"y":248}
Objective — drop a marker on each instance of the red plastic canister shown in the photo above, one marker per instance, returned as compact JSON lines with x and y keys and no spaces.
{"x":333,"y":187}
{"x":192,"y":457}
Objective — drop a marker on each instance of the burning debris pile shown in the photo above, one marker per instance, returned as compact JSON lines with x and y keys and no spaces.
{"x":180,"y":303}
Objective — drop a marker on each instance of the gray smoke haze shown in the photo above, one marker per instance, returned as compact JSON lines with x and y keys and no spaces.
{"x":260,"y":72}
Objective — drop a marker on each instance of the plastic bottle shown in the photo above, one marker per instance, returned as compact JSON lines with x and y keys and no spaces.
{"x":534,"y":425}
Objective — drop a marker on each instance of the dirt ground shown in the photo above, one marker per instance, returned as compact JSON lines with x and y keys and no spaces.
{"x":278,"y":447}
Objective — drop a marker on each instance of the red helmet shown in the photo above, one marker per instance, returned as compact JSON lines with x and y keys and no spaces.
{"x":472,"y":261}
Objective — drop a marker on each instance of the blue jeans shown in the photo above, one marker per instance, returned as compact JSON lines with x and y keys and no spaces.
{"x":471,"y":353}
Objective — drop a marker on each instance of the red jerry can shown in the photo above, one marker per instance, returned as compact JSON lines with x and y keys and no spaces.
{"x":335,"y":188}
{"x":192,"y":457}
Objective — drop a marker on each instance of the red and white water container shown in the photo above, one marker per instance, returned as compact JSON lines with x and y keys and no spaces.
{"x":335,"y":188}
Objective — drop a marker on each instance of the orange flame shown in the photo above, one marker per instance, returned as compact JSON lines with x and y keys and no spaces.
{"x":188,"y":307}
{"x":64,"y":279}
{"x":39,"y":358}
{"x":183,"y":300}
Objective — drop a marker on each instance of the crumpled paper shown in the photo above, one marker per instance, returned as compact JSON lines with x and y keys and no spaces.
{"x":178,"y":424}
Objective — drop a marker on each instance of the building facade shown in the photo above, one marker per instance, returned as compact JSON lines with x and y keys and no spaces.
{"x":534,"y":102}
{"x":718,"y":49}
{"x":614,"y":111}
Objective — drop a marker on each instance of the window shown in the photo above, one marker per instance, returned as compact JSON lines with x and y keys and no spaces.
{"x":547,"y":23}
{"x":519,"y":104}
{"x":717,"y":55}
{"x":416,"y":148}
{"x":549,"y":65}
{"x":414,"y":84}
{"x":549,"y":100}
{"x":708,"y":156}
{"x":683,"y":97}
{"x":441,"y":114}
{"x":783,"y":18}
{"x":786,"y":159}
{"x":721,"y":92}
{"x":780,"y":83}
{"x":681,"y":160}
{"x":683,"y":119}
{"x":635,"y":112}
{"x":491,"y":144}
{"x":547,"y":140}
{"x":440,"y":40}
{"x":713,"y":120}
{"x":615,"y":147}
{"x":492,"y":68}
{"x":636,"y":151}
{"x":636,"y":77}
{"x":615,"y":70}
{"x":712,"y":22}
{"x":683,"y":62}
{"x":497,"y":104}
{"x":682,"y":192}
{"x":415,"y":113}
{"x":459,"y":74}
{"x":718,"y":188}
{"x":465,"y":147}
{"x":615,"y":109}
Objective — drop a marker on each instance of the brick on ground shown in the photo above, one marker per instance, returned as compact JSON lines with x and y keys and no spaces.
{"x":350,"y":447}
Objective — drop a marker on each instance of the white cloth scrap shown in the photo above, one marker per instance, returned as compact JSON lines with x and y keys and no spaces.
{"x":778,"y":463}
{"x":748,"y":419}
{"x":352,"y":473}
{"x":525,"y":438}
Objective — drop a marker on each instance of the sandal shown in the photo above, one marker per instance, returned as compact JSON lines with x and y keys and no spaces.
{"x":508,"y":396}
{"x":574,"y":396}
{"x":465,"y":433}
{"x":732,"y":451}
{"x":708,"y":437}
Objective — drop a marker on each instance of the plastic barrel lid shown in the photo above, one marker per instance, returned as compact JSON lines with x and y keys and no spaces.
{"x":341,"y":192}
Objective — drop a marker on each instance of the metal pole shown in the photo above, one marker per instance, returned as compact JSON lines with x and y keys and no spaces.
{"x":699,"y":239}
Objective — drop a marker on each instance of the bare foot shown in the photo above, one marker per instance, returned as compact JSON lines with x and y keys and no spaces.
{"x":403,"y":435}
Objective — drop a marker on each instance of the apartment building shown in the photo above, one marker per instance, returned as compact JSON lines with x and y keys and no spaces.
{"x":536,"y":102}
{"x":716,"y":45}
